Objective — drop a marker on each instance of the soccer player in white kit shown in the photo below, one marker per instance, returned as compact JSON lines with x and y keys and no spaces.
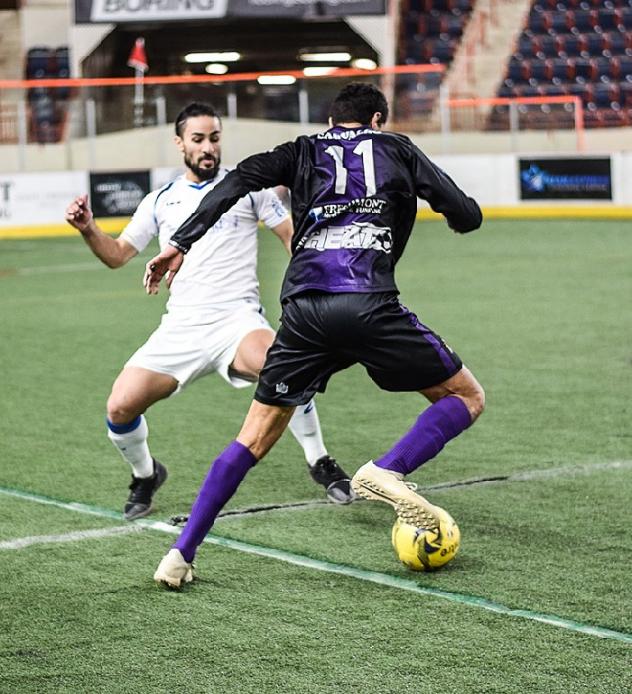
{"x":214,"y":320}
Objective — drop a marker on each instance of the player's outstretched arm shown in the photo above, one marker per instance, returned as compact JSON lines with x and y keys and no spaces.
{"x":284,"y":232}
{"x":111,"y":252}
{"x":166,"y":263}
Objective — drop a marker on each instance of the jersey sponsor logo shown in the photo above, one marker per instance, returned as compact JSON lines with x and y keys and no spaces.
{"x":356,"y":206}
{"x":361,"y":235}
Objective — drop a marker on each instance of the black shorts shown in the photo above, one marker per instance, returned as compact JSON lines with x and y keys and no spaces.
{"x":322,"y":333}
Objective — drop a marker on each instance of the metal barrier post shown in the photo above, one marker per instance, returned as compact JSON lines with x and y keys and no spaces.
{"x":91,"y":131}
{"x":161,"y":110}
{"x":514,"y":125}
{"x":22,"y":135}
{"x":444,"y":115}
{"x":161,"y":119}
{"x":231,"y":104}
{"x":303,"y":105}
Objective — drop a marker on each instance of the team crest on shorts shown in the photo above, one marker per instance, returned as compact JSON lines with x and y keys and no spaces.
{"x":282,"y":388}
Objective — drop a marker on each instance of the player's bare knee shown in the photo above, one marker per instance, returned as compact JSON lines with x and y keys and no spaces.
{"x":470,"y":391}
{"x":118,"y":412}
{"x":475,"y":401}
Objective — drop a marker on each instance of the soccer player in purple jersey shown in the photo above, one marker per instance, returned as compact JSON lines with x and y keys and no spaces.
{"x":214,"y":322}
{"x":354,"y":203}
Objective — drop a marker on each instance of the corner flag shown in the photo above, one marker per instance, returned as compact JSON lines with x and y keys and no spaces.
{"x":138,"y":58}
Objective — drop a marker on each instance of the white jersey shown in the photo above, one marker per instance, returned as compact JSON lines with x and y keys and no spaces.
{"x":221,"y":268}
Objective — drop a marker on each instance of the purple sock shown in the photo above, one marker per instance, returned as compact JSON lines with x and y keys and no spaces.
{"x":434,"y":427}
{"x":221,"y":482}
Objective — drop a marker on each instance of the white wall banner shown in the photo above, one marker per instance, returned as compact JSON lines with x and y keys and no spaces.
{"x":121,"y":11}
{"x":32,"y":199}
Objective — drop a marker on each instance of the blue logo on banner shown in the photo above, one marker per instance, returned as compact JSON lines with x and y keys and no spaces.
{"x":537,"y":180}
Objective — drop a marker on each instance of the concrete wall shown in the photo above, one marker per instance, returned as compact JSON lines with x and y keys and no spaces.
{"x":33,"y":204}
{"x":45,"y":23}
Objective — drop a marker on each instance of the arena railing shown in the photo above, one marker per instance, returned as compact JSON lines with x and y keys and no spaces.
{"x":57,"y":110}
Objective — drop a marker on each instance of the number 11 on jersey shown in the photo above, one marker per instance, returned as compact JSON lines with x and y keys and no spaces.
{"x":364,"y":150}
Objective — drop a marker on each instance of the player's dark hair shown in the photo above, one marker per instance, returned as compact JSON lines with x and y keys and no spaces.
{"x":196,"y":108}
{"x":357,"y":102}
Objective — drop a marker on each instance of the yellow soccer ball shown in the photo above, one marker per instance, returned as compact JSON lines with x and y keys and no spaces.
{"x":421,"y":549}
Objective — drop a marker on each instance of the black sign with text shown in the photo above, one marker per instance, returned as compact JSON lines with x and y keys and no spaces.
{"x":304,"y":8}
{"x":119,"y":193}
{"x":578,"y":178}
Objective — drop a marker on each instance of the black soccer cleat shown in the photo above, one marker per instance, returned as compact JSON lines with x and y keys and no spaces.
{"x":142,"y":490}
{"x":337,"y":483}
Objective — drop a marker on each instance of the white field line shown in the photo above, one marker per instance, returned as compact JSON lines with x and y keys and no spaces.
{"x":22,"y":542}
{"x":569,"y":471}
{"x":386,"y":580}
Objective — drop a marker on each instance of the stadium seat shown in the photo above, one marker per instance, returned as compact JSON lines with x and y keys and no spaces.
{"x":539,"y":22}
{"x":626,"y":19}
{"x":562,"y":69}
{"x":574,"y":45}
{"x":541,"y":70}
{"x":39,"y":63}
{"x":596,"y":43}
{"x":47,"y":106}
{"x":561,"y":22}
{"x":617,"y":42}
{"x":608,"y":20}
{"x":518,"y":71}
{"x":584,"y":69}
{"x":625,"y":97}
{"x":550,"y":46}
{"x":605,"y":95}
{"x":528,"y":46}
{"x":442,"y":51}
{"x":625,"y":67}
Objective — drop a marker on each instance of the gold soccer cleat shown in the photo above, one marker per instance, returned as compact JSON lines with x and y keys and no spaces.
{"x":377,"y":484}
{"x":173,"y":571}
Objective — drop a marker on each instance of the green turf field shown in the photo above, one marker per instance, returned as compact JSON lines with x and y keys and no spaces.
{"x":311,"y":598}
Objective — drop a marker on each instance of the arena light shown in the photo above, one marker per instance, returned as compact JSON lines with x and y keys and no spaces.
{"x":337,"y":57}
{"x":222,"y":56}
{"x":216,"y":69}
{"x":315,"y":71}
{"x":276,"y":79}
{"x":363,"y":64}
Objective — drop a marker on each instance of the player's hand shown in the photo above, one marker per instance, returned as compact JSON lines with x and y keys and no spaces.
{"x":167,"y":263}
{"x":78,"y":213}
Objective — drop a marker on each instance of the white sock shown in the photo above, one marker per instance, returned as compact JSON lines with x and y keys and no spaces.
{"x":305,"y":426}
{"x":131,"y":441}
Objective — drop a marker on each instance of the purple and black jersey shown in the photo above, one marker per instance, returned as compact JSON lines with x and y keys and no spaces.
{"x":354,"y":203}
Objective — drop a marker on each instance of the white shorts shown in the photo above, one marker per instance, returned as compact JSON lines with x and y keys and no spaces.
{"x":188,"y":352}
